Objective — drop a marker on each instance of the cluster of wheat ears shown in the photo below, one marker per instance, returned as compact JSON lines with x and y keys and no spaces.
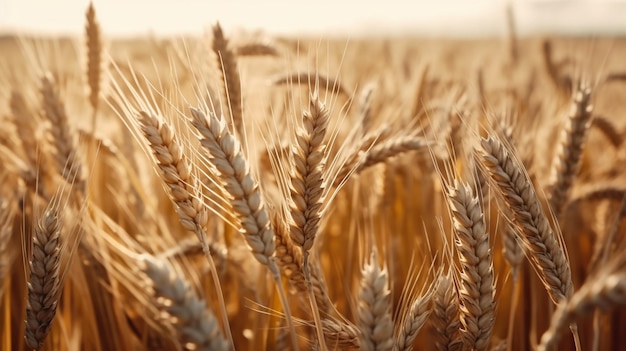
{"x":221,"y":193}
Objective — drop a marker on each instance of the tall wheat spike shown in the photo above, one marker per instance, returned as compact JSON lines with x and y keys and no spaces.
{"x":94,"y":60}
{"x":477,"y":290}
{"x":567,"y":162}
{"x":227,"y":63}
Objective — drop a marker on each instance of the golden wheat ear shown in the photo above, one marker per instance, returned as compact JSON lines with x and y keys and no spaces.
{"x":570,"y":149}
{"x":477,"y":289}
{"x":225,"y":154}
{"x":94,"y":60}
{"x":227,"y":64}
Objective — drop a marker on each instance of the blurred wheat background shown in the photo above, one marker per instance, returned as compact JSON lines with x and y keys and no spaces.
{"x":241,"y":190}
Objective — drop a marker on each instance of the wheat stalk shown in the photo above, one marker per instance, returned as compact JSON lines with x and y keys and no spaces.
{"x":176,"y":173}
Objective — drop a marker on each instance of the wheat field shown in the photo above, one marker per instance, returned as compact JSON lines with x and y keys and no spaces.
{"x":236,"y":191}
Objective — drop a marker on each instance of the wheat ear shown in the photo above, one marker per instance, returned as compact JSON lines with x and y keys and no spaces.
{"x":227,"y":159}
{"x":65,"y":159}
{"x":306,"y":188}
{"x":543,"y":249}
{"x":567,"y":162}
{"x":605,"y":292}
{"x":477,"y":291}
{"x":306,"y":201}
{"x":374,"y":307}
{"x":94,"y":59}
{"x":25,"y":126}
{"x":361,"y":160}
{"x":307,"y":165}
{"x":340,"y":336}
{"x":184,"y":191}
{"x":445,"y":315}
{"x":44,"y":284}
{"x":197,"y":327}
{"x":256,"y":49}
{"x":415,"y":318}
{"x":226,"y":156}
{"x":227,"y":62}
{"x":176,"y":173}
{"x":313,"y":79}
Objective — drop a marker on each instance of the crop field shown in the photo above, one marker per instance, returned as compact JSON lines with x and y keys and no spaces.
{"x":241,"y":191}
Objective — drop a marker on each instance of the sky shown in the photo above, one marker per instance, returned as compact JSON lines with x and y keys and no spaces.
{"x":430,"y":17}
